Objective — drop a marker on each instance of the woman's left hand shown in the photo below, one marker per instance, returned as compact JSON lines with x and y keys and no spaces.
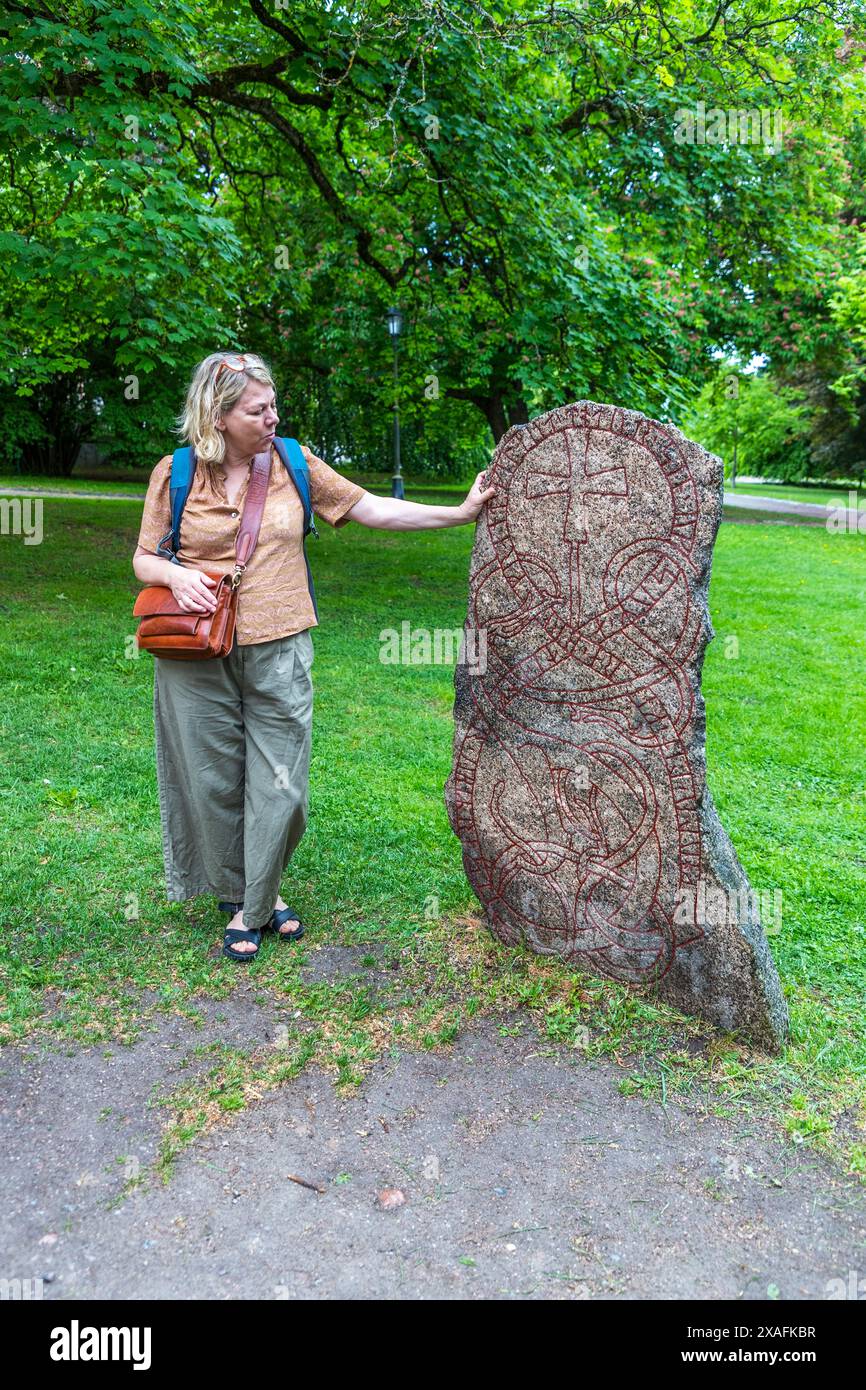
{"x":476,"y":497}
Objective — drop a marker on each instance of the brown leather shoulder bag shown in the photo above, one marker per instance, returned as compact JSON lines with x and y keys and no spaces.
{"x":166,"y":629}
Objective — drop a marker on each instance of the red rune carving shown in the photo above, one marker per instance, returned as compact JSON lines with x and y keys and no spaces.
{"x":574,"y":790}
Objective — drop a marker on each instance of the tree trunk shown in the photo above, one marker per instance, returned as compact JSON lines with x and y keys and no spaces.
{"x":499,"y":413}
{"x":501,"y":416}
{"x":65,"y":426}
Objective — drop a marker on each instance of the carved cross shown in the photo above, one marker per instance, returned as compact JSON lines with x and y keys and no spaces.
{"x":577,"y":481}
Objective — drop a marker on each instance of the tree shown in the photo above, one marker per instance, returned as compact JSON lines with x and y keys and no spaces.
{"x":515,"y":176}
{"x":114,"y":267}
{"x":771,"y":424}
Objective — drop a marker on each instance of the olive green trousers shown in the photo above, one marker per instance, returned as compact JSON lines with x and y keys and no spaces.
{"x":233,"y":738}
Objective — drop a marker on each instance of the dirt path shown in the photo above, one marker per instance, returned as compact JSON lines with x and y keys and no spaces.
{"x":525,"y":1174}
{"x":849,"y":517}
{"x":68,"y":492}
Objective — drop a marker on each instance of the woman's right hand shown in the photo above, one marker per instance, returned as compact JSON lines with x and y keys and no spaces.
{"x":192,"y":588}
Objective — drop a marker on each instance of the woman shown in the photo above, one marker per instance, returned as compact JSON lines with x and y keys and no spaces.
{"x":233,"y":734}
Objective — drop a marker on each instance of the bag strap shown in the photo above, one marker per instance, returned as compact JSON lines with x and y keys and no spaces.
{"x":251,"y":521}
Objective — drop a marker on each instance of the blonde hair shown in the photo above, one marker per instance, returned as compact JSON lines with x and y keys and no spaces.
{"x":208,"y":398}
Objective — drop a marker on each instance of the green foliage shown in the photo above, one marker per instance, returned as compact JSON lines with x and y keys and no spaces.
{"x":115,"y":271}
{"x":848,"y":305}
{"x":516,"y":182}
{"x":770,"y":422}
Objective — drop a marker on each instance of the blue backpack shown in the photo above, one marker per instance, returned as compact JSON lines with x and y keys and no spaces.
{"x":182,"y":470}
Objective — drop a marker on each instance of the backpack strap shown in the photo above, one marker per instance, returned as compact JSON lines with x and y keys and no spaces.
{"x":292,"y":456}
{"x":182,"y":470}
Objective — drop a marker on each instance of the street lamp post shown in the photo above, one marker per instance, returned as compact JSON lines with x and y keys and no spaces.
{"x":395,"y":324}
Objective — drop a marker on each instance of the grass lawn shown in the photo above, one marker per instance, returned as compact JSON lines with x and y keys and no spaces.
{"x":91,"y":950}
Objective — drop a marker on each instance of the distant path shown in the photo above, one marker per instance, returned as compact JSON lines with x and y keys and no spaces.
{"x":751,"y":502}
{"x":67,"y":492}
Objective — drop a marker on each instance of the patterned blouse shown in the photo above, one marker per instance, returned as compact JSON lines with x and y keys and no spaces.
{"x":274,"y":599}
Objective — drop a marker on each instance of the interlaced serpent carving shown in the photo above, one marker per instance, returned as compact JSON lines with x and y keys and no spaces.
{"x":575,"y":786}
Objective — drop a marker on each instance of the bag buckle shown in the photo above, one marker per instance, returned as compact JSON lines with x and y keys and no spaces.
{"x":238,"y":573}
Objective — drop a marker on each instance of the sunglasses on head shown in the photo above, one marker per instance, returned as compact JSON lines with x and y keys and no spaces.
{"x":237,"y":362}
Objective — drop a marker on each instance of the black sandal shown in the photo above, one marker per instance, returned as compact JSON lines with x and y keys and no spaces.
{"x":279,"y":919}
{"x":230,"y":908}
{"x":233,"y":934}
